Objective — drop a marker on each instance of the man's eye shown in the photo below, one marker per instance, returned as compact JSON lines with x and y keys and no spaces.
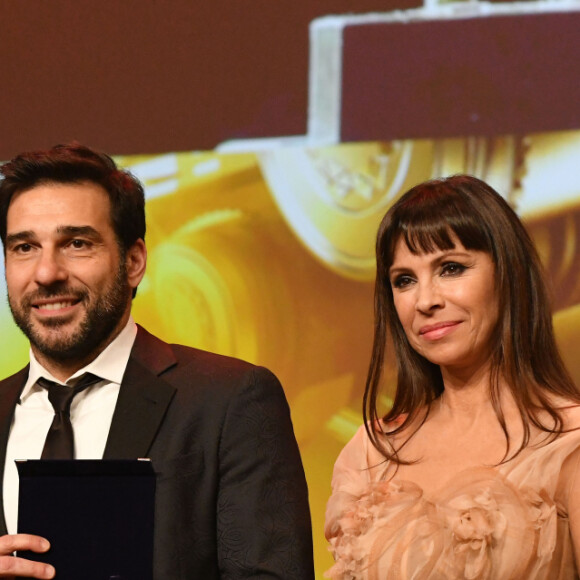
{"x":78,"y":244}
{"x":22,"y":248}
{"x":452,"y":269}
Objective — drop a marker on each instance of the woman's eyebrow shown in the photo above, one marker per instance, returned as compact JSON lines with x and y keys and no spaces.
{"x":436,"y":261}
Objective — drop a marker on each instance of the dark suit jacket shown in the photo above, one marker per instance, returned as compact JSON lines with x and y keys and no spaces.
{"x":231,"y":499}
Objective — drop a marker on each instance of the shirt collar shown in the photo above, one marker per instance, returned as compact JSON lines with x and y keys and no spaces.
{"x":110,"y":365}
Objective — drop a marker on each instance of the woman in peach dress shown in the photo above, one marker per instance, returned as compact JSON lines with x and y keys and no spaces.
{"x":474,"y":472}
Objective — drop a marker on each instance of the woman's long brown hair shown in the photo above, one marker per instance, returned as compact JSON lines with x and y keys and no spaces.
{"x":524,"y":353}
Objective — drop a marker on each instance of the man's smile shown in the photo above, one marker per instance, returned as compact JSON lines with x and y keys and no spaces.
{"x":55,"y":305}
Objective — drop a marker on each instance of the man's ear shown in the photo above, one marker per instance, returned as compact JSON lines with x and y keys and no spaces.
{"x":136,"y":262}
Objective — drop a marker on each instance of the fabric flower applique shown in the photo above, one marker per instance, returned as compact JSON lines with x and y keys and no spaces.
{"x":366,"y":513}
{"x":477,"y":525}
{"x":543,"y":515}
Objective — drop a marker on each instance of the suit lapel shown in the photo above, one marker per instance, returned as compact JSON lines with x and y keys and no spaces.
{"x":143,"y":399}
{"x":9,"y":394}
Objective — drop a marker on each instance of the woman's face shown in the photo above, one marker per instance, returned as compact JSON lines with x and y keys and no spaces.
{"x":447,"y":304}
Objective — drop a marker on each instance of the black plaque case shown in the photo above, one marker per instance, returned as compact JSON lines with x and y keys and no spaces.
{"x":97,"y":515}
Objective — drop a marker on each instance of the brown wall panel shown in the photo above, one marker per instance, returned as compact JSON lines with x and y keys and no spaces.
{"x":142,"y":76}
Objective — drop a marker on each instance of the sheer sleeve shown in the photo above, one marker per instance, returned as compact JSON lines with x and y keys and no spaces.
{"x":349,"y":479}
{"x":357,"y":502}
{"x":569,"y":497}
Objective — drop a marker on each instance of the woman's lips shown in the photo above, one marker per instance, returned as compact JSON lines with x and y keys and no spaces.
{"x":439,"y":330}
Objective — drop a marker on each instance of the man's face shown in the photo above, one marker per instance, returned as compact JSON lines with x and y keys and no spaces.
{"x":69,"y":287}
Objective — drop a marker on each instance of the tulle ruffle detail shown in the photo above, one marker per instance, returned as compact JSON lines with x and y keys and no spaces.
{"x":479,"y":528}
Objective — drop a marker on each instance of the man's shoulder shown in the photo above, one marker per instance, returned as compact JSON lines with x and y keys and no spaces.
{"x":209,"y":359}
{"x":16,"y":379}
{"x":179,"y":359}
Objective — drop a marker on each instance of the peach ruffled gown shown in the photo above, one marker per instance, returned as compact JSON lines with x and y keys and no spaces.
{"x":499,"y":523}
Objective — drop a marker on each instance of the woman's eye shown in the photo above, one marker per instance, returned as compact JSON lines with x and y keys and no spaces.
{"x":402,"y":281}
{"x":452,"y":269}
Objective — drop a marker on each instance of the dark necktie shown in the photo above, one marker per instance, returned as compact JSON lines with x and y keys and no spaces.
{"x":60,"y":443}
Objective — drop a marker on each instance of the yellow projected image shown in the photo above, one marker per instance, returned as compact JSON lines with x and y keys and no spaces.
{"x":269,"y":257}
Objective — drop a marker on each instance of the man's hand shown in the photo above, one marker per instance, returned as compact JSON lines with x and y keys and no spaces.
{"x":11,"y":566}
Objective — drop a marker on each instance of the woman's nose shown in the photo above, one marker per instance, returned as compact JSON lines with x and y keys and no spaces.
{"x":429,"y":297}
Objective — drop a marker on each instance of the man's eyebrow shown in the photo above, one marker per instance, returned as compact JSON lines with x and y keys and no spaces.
{"x":88,"y":231}
{"x":20,"y":237}
{"x":29,"y":235}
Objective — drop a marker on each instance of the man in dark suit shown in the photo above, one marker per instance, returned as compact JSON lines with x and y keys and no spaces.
{"x":231,"y":497}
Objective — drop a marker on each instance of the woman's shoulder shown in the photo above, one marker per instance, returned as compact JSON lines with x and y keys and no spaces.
{"x":387,"y":431}
{"x":357,"y":449}
{"x":567,"y":409}
{"x":570,"y":412}
{"x":549,"y":448}
{"x":361,"y":453}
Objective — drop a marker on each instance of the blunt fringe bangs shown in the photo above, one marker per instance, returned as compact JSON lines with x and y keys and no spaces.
{"x":427,"y":216}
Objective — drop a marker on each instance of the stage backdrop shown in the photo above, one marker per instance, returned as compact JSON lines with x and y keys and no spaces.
{"x":263,"y":249}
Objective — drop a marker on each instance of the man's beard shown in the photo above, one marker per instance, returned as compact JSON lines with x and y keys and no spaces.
{"x":93,"y":332}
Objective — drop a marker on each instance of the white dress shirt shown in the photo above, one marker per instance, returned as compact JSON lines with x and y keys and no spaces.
{"x":91,"y":414}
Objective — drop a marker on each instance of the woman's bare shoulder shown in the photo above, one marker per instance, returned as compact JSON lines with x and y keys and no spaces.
{"x":397,"y":431}
{"x":570,"y":412}
{"x":405,"y":424}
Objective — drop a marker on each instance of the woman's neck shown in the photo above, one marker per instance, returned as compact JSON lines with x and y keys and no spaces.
{"x":467,"y":396}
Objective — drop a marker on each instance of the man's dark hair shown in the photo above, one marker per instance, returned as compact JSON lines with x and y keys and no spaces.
{"x":75,"y":163}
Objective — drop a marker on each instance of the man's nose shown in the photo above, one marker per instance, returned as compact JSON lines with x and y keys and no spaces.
{"x":50,"y":268}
